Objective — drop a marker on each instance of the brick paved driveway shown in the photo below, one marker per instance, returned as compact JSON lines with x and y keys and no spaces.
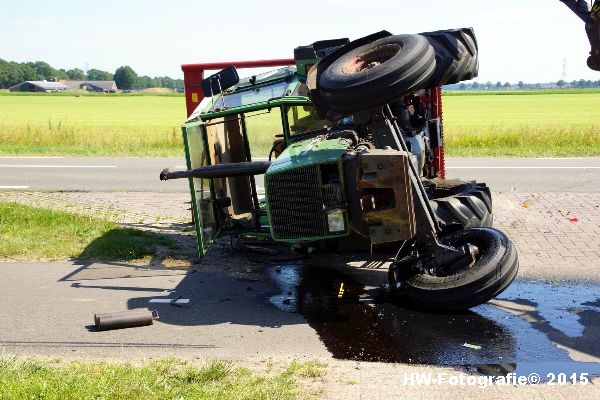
{"x":557,"y":234}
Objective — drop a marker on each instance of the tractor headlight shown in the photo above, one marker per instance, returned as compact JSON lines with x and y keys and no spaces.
{"x":336,"y":220}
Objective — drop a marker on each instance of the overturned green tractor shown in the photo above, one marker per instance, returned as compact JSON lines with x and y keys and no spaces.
{"x":354,"y":138}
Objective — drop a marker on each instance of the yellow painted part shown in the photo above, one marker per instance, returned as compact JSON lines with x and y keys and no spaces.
{"x":341,"y":291}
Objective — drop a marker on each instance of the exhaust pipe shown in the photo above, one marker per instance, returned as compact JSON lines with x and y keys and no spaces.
{"x":219,"y":171}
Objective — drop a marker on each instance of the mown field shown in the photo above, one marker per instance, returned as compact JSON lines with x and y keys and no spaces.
{"x":542,"y":123}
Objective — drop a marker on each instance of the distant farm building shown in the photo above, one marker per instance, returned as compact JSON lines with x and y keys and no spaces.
{"x":39,"y":86}
{"x":44,"y":86}
{"x":93,"y":86}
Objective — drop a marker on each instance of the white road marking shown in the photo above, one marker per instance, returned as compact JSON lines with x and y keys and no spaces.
{"x":30,"y":157}
{"x":523,"y":167}
{"x":54,"y":166}
{"x":13,"y":187}
{"x":562,"y":158}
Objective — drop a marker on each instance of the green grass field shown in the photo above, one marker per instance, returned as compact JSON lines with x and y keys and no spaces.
{"x":91,"y":125}
{"x":541,"y":124}
{"x":532,"y":123}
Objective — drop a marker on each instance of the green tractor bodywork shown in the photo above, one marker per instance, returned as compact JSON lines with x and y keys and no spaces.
{"x":322,"y":184}
{"x":359,"y":167}
{"x":216,"y":135}
{"x":318,"y":163}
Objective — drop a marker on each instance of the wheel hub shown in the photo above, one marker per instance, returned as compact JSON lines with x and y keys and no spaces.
{"x":370,"y":59}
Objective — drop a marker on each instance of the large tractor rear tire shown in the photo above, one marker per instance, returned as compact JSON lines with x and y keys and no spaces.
{"x":460,"y":205}
{"x":385,"y":69}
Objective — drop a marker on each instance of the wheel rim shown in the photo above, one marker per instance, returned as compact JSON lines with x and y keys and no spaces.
{"x":466,"y":263}
{"x":477,"y":249}
{"x":494,"y":270}
{"x":371,"y":58}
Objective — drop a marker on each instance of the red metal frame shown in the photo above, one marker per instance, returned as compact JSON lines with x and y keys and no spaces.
{"x":439,"y":163}
{"x":194,"y":73}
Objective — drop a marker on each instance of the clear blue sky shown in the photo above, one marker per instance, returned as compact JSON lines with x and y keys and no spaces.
{"x":518,"y":39}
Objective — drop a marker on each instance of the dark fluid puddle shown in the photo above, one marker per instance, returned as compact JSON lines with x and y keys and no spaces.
{"x":531,"y":327}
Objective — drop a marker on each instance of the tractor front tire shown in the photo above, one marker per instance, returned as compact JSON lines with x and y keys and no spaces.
{"x":494,"y":269}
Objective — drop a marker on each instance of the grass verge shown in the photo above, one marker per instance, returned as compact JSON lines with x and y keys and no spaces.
{"x":29,"y":233}
{"x":308,"y":369}
{"x":162,"y":379}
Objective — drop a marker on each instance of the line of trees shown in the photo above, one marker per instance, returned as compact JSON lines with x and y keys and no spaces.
{"x":13,"y":73}
{"x":489,"y":85}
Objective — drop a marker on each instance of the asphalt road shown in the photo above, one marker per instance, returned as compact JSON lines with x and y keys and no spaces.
{"x":141,"y":174}
{"x":259,"y":310}
{"x":243,"y":309}
{"x":97,"y":174}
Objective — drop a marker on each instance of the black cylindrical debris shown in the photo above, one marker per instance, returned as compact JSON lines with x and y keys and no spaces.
{"x":125,"y":319}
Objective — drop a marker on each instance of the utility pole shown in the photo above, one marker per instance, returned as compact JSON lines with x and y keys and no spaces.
{"x":564,"y":71}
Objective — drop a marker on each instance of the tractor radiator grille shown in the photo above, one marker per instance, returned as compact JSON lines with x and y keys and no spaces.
{"x":296,"y":203}
{"x":331,"y":196}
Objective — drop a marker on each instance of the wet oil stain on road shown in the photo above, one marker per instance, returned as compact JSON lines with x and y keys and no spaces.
{"x":531,"y":326}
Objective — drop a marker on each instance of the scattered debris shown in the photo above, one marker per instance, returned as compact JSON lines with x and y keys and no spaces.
{"x":244,"y":278}
{"x":472,"y":346}
{"x":262,"y":250}
{"x":125,"y":319}
{"x":288,"y":258}
{"x":573,"y":219}
{"x":178,"y":301}
{"x":174,"y":301}
{"x":341,"y":291}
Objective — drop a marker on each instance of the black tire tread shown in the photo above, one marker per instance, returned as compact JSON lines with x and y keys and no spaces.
{"x":441,"y":57}
{"x":468,"y":205}
{"x":456,"y":55}
{"x":456,"y":293}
